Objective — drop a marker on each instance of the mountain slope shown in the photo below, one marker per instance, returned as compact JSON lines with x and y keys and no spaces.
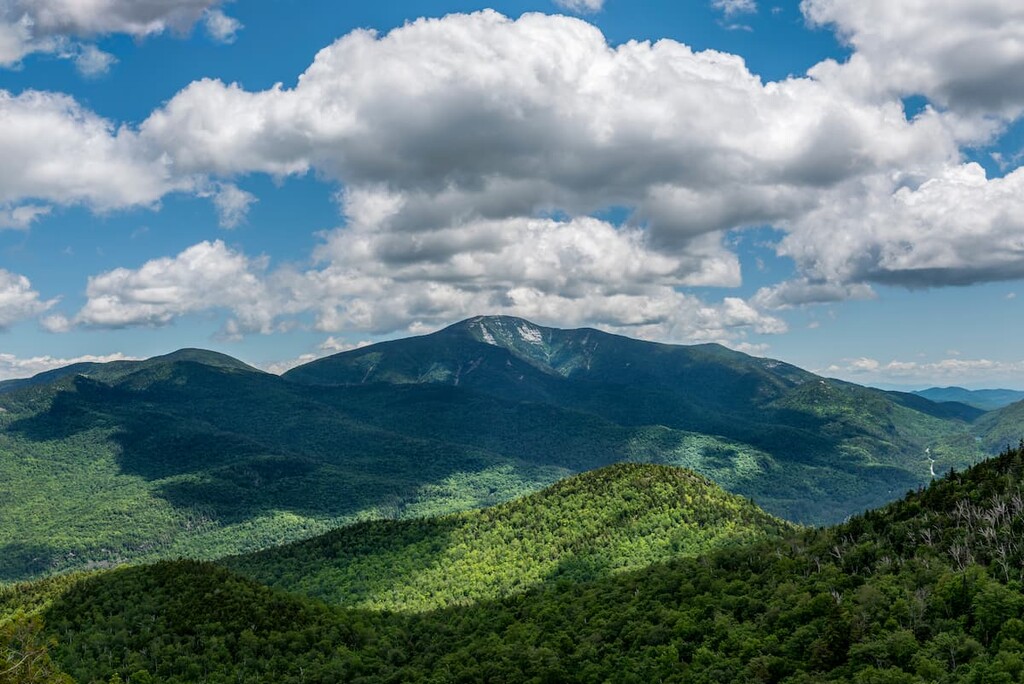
{"x":618,"y":518}
{"x":834,"y":440}
{"x":1002,"y":428}
{"x":180,"y":457}
{"x":924,"y":590}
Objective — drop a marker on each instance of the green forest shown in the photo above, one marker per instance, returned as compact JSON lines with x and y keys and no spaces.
{"x":927,"y":589}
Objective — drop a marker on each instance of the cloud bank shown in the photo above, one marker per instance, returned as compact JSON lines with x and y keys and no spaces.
{"x":472,"y":154}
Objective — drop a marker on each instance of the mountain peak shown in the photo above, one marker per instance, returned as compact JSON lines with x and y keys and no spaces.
{"x":203,"y":356}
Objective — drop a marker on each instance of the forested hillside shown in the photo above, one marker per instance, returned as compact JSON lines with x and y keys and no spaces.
{"x":611,"y":520}
{"x":925,"y":590}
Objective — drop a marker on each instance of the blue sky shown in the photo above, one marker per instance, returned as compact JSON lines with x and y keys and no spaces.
{"x":835,"y":184}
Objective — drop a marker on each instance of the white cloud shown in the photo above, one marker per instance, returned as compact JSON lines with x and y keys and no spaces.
{"x":964,"y":55}
{"x":734,"y":7}
{"x":581,"y":6}
{"x":56,"y":26}
{"x":18,"y":301}
{"x":281,"y":367}
{"x":946,"y":371}
{"x":333,"y":345}
{"x":20,"y":218}
{"x":329,"y":346}
{"x":232,"y":204}
{"x":453,"y":137}
{"x":221,"y":27}
{"x":956,"y":229}
{"x":12,"y":366}
{"x":566,"y":273}
{"x":91,"y":61}
{"x":479,"y":117}
{"x":205,"y":277}
{"x":802,"y":291}
{"x":54,"y":150}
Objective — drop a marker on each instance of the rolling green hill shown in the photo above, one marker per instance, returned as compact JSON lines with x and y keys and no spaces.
{"x":611,"y":520}
{"x":200,"y":455}
{"x":925,"y":590}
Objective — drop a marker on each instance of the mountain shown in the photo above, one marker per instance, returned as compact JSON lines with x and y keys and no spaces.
{"x":835,"y":441}
{"x":986,"y":399}
{"x":927,"y":589}
{"x":196,"y":454}
{"x":115,"y":370}
{"x":610,"y":520}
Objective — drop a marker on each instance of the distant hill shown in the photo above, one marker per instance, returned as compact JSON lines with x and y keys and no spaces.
{"x":986,"y":399}
{"x":114,"y":370}
{"x":197,"y":454}
{"x":618,"y":518}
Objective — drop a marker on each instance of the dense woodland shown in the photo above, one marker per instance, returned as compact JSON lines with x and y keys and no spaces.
{"x":925,"y":590}
{"x":611,"y":520}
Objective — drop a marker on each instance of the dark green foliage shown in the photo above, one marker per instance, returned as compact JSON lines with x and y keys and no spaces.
{"x":925,"y":590}
{"x":616,"y":519}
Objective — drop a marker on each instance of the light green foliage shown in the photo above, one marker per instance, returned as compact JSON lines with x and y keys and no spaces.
{"x":611,"y":520}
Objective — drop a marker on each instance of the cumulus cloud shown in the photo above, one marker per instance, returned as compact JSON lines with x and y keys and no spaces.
{"x":802,"y":291}
{"x":232,"y":204}
{"x":581,"y":6}
{"x":221,"y":27}
{"x":328,"y":347}
{"x":12,"y":366}
{"x":55,"y":150}
{"x":733,"y":7}
{"x":205,"y":277}
{"x":956,"y":229}
{"x":18,"y":301}
{"x":545,"y":270}
{"x":967,"y":56}
{"x":92,"y":62}
{"x":479,"y":117}
{"x":454,"y":140}
{"x":57,"y":26}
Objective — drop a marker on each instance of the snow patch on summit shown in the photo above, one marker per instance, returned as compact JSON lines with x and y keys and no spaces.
{"x":488,"y":337}
{"x":528,"y":334}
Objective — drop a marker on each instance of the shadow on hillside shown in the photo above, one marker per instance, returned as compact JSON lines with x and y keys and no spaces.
{"x":18,"y":561}
{"x":243,"y":447}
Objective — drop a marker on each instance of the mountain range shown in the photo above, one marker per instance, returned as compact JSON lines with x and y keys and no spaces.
{"x":201,"y":455}
{"x":984,"y":399}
